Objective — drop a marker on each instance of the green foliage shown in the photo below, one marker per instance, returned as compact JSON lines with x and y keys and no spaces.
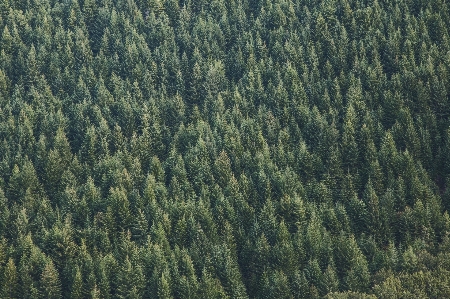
{"x":10,"y":281}
{"x":224,"y":149}
{"x":49,"y":282}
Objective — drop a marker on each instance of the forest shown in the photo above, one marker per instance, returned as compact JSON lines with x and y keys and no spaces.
{"x":225,"y":149}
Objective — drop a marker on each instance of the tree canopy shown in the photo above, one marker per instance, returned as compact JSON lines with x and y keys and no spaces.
{"x":224,"y":149}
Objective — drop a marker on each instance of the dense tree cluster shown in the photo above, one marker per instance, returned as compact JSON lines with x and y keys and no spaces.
{"x":224,"y":149}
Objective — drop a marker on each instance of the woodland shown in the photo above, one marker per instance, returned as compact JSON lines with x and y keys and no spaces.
{"x":224,"y":149}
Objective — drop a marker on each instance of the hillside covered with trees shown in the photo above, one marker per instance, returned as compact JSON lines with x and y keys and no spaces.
{"x":224,"y":149}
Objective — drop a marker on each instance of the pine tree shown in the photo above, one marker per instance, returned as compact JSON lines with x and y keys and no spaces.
{"x":330,"y":280}
{"x":10,"y":281}
{"x":164,"y":289}
{"x":4,"y":213}
{"x":223,"y":170}
{"x":372,"y":203}
{"x":210,"y":287}
{"x":50,"y":286}
{"x":130,"y":281}
{"x":358,"y":277}
{"x":32,"y":68}
{"x":77,"y":286}
{"x":390,"y":288}
{"x":349,"y":146}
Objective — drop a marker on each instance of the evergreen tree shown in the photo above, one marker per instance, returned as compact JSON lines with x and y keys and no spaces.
{"x":50,"y":285}
{"x":77,"y":286}
{"x":218,"y":149}
{"x":10,"y":288}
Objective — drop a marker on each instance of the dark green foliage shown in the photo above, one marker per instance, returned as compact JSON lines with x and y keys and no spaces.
{"x":224,"y":149}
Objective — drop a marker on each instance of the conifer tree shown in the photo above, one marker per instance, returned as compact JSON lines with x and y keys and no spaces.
{"x":10,"y":281}
{"x":50,"y":285}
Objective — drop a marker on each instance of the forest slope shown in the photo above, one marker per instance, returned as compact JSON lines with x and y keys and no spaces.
{"x":224,"y":149}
